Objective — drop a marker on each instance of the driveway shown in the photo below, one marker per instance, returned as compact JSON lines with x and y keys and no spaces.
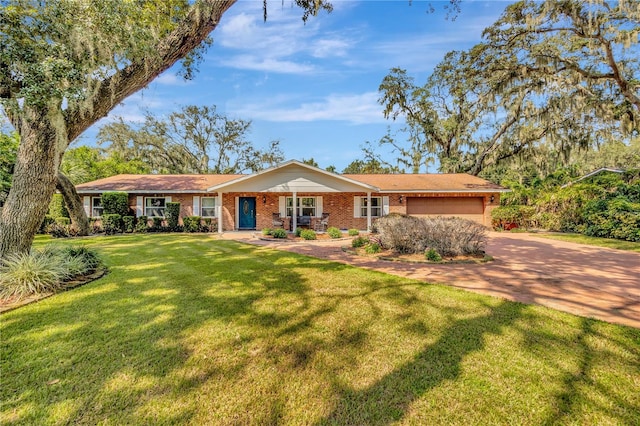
{"x":583,"y":280}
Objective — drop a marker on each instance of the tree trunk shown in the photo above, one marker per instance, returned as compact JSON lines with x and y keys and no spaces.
{"x":74,"y":204}
{"x":34,"y":182}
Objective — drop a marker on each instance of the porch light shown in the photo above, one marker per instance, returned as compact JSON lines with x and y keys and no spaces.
{"x":400,"y":199}
{"x":264,"y":199}
{"x":491,"y":200}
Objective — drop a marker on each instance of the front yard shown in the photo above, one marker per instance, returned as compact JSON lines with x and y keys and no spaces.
{"x":189,"y":329}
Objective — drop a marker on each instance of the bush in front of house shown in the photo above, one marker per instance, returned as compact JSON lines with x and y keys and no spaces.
{"x":156,"y":225}
{"x":191,"y":223}
{"x":359,"y":242}
{"x":57,"y":208}
{"x":128,"y":224}
{"x":266,"y":231}
{"x":172,"y":214}
{"x":510,"y":216}
{"x":44,"y":226}
{"x":449,"y":236}
{"x":353,"y":232}
{"x":334,"y":232}
{"x":209,"y":225}
{"x":44,"y":271}
{"x":142,"y":224}
{"x":298,"y":231}
{"x":432,"y":255}
{"x":115,"y":202}
{"x":308,"y":234}
{"x":111,"y":223}
{"x":279,"y":233}
{"x":58,"y":231}
{"x":372,"y":248}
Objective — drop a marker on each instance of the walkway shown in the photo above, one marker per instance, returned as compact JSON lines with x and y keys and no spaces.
{"x":583,"y":280}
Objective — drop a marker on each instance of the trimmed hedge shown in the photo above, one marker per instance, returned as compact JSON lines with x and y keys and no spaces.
{"x":191,"y":223}
{"x":129,"y":223}
{"x":172,"y":214}
{"x":57,"y":208}
{"x":115,"y":203}
{"x":111,"y":223}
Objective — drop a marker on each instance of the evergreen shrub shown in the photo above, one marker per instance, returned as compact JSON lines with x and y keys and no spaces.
{"x":115,"y":202}
{"x":172,"y":214}
{"x":111,"y":223}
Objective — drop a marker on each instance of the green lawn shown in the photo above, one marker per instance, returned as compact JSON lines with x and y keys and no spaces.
{"x":593,"y":241}
{"x":189,"y":329}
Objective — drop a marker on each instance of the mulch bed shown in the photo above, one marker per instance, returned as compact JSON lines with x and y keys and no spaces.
{"x":12,"y":303}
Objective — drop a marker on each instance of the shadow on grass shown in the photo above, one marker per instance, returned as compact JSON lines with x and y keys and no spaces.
{"x":387,"y":400}
{"x":191,"y":330}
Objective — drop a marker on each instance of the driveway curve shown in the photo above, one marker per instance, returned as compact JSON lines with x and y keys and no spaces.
{"x":583,"y":280}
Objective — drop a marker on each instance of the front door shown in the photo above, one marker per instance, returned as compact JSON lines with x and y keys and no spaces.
{"x":247,"y":215}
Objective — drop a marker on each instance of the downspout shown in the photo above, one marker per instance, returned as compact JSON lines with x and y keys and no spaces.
{"x":294,"y":213}
{"x":369,"y":211}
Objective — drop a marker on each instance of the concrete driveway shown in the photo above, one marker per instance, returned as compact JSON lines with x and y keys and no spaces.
{"x":583,"y":280}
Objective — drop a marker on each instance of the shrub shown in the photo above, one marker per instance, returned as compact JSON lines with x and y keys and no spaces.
{"x":142,"y":225}
{"x":129,"y":223}
{"x":44,"y":226}
{"x":63,"y":221}
{"x":25,"y":274}
{"x":266,"y":231}
{"x":58,"y":231}
{"x":504,"y":216}
{"x":372,"y":248}
{"x":210,"y":225}
{"x":115,"y":203}
{"x":57,"y":208}
{"x":432,"y":255}
{"x":45,"y":270}
{"x":353,"y":232}
{"x":95,"y":225}
{"x":308,"y":234}
{"x":191,"y":223}
{"x":359,"y":242}
{"x":112,"y":223}
{"x":448,"y":236}
{"x":298,"y":231}
{"x":157,"y":224}
{"x":279,"y":233}
{"x":172,"y":214}
{"x":334,"y":232}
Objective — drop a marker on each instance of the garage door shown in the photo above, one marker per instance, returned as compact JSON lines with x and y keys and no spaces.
{"x":471,"y":208}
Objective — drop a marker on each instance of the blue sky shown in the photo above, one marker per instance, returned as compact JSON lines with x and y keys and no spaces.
{"x":314,"y":87}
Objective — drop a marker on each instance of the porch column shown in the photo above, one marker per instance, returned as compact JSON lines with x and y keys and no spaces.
{"x":368,"y":211}
{"x":220,"y":221}
{"x":294,"y":214}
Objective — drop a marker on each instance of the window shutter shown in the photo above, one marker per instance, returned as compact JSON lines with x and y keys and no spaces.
{"x":282,"y":206}
{"x":139,"y":206}
{"x":356,"y":206}
{"x":385,"y":206}
{"x":167,"y":199}
{"x":196,"y":206}
{"x":318,"y":206}
{"x":86,"y":202}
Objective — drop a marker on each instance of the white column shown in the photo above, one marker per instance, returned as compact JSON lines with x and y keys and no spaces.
{"x":219,"y":208}
{"x":294,"y":215}
{"x":368,"y":211}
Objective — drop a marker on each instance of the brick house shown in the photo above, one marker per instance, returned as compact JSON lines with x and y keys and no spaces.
{"x":239,"y":202}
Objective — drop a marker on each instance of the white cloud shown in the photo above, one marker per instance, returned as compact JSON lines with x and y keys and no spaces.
{"x":248,"y":62}
{"x":352,"y":108}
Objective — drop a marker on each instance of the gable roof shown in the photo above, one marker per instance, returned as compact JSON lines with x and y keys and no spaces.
{"x":294,"y":176}
{"x":154,"y":183}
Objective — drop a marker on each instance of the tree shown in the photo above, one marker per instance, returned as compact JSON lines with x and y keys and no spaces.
{"x":60,"y":74}
{"x":545,"y":79}
{"x":368,"y":166}
{"x":192,"y":140}
{"x":310,"y":161}
{"x":84,"y":164}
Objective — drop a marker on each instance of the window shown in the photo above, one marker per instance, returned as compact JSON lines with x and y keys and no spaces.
{"x":208,"y":207}
{"x":376,"y":206}
{"x":96,"y":209}
{"x":306,"y":206}
{"x":154,"y":206}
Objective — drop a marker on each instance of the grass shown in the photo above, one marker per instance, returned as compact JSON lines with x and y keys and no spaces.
{"x":593,"y":241}
{"x":186,"y":329}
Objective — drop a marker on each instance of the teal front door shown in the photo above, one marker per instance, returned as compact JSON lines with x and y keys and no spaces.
{"x":247,"y":216}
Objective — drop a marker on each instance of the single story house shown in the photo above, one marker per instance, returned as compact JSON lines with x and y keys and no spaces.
{"x":300,"y":194}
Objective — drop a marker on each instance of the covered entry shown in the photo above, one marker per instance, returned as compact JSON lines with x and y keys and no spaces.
{"x":471,"y":208}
